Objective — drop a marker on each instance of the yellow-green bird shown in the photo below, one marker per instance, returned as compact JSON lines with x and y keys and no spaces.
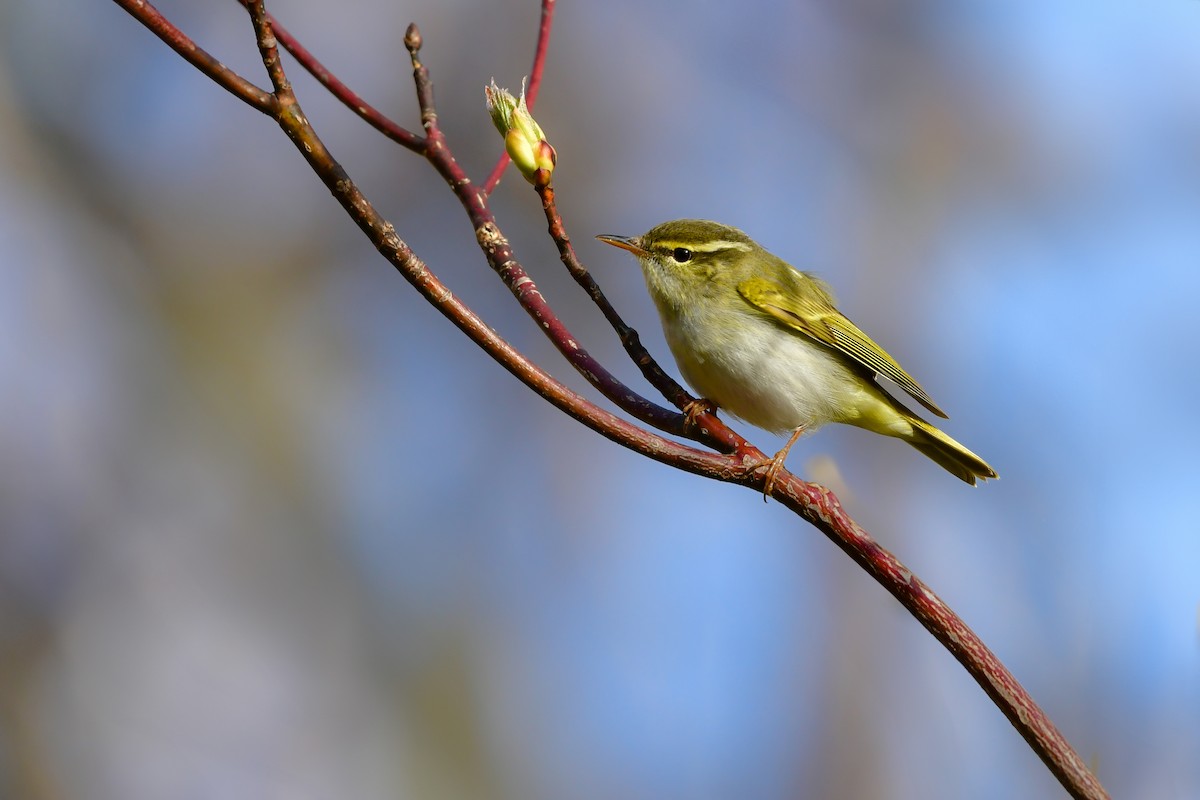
{"x":763,"y":341}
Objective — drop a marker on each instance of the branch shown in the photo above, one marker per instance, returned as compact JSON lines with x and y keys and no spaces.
{"x":199,"y":58}
{"x":500,"y":257}
{"x":948,"y":628}
{"x":654,"y":374}
{"x":371,"y":115}
{"x":813,"y":503}
{"x":535,"y":84}
{"x":268,"y":49}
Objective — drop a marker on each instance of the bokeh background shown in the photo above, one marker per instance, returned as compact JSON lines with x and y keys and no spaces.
{"x":271,"y":528}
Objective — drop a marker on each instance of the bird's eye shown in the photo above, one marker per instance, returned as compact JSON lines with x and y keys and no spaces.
{"x":681,"y":255}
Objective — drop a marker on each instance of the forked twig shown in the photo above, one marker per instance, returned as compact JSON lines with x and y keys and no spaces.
{"x":657,"y":377}
{"x":371,"y":115}
{"x":535,"y":84}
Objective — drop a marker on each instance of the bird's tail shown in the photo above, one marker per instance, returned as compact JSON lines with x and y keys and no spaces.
{"x":956,"y":459}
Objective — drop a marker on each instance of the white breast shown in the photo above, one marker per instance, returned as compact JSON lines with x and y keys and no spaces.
{"x":757,"y":370}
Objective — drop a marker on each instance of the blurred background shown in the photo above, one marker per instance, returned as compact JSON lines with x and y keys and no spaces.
{"x":271,"y":528}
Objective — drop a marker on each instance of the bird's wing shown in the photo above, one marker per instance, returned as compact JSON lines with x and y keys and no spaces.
{"x":812,"y":314}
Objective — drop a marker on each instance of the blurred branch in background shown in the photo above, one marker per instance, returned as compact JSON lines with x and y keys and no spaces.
{"x":735,"y":460}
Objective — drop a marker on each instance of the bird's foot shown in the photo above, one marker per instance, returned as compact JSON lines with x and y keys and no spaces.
{"x":774,"y":465}
{"x":694,"y":409}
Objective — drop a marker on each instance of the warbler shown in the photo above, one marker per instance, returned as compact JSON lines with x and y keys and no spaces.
{"x":763,"y":341}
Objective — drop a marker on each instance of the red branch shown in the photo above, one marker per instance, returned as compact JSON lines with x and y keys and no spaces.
{"x":535,"y":83}
{"x":813,"y":503}
{"x":500,"y":257}
{"x":948,"y":628}
{"x":371,"y":115}
{"x":710,"y":429}
{"x":178,"y":41}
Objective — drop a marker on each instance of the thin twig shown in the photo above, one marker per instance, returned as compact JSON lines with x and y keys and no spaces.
{"x":268,"y":49}
{"x":535,"y":84}
{"x":371,"y":115}
{"x":501,"y":258}
{"x":1044,"y":738}
{"x":656,"y":375}
{"x":199,"y":58}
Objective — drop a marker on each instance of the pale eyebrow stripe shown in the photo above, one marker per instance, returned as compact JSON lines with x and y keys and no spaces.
{"x":706,"y":247}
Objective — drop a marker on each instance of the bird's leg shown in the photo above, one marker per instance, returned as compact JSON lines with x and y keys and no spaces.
{"x":694,"y":408}
{"x":775,"y":464}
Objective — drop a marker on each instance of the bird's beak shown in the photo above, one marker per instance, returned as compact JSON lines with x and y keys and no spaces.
{"x":630,"y":243}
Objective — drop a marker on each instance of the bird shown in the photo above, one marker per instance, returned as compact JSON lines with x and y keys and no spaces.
{"x":764,"y":342}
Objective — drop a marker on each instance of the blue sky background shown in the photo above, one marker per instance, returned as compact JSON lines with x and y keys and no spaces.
{"x":271,"y":528}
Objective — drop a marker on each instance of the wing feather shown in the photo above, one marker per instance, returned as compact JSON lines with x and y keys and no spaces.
{"x":811,"y":312}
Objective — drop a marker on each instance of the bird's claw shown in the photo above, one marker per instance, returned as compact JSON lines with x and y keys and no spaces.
{"x":695,"y":408}
{"x":774,"y":464}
